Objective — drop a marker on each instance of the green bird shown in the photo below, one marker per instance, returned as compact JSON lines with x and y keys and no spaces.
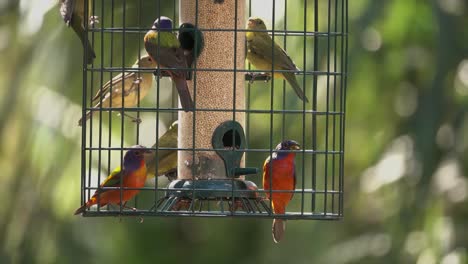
{"x":72,"y":12}
{"x":136,"y":87}
{"x":167,"y":159}
{"x":191,"y":41}
{"x":164,"y":48}
{"x":259,"y":53}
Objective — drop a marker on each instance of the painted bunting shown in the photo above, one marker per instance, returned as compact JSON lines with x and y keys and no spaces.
{"x":259,"y":53}
{"x":131,"y":175}
{"x":167,"y":159}
{"x":280,"y":169}
{"x":191,"y":41}
{"x":132,"y":84}
{"x":72,"y":12}
{"x":164,"y":48}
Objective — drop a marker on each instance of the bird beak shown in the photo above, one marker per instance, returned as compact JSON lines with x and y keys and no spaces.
{"x":250,"y":23}
{"x":148,"y":151}
{"x":296,"y":147}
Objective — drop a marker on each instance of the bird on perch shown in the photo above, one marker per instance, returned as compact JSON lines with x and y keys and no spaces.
{"x":136,"y":87}
{"x":164,"y":48}
{"x":72,"y":12}
{"x":167,"y":158}
{"x":191,"y":41}
{"x":131,"y":175}
{"x":279,"y":174}
{"x":262,"y":52}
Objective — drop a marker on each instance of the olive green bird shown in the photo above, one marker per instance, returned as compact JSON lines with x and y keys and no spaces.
{"x":136,"y":87}
{"x":72,"y":12}
{"x":166,"y":159}
{"x":259,"y":54}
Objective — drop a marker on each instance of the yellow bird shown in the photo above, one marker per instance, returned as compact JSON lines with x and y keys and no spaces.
{"x":132,"y":84}
{"x":259,"y":53}
{"x":167,"y":159}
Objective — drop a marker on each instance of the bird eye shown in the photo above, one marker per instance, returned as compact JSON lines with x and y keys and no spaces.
{"x":137,"y":153}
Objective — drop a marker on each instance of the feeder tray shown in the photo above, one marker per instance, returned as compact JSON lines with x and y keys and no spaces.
{"x":199,"y":195}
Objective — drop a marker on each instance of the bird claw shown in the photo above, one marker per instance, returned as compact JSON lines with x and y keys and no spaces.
{"x":93,"y":20}
{"x":254,"y":76}
{"x":138,"y":80}
{"x":136,"y":120}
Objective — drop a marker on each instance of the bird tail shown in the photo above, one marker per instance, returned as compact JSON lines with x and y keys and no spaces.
{"x":88,"y":204}
{"x":91,"y":55}
{"x":184,"y":94}
{"x":278,"y":228}
{"x":291,"y":78}
{"x":78,"y":28}
{"x":81,"y":209}
{"x":88,"y":116}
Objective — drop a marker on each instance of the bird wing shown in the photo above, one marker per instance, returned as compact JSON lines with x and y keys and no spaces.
{"x":266,"y":175}
{"x":169,"y":58}
{"x":116,"y":81}
{"x":66,"y":10}
{"x":165,"y":49}
{"x":113,"y":180}
{"x":261,"y":47}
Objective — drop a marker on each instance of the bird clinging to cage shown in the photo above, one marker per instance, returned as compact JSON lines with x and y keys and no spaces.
{"x":167,"y":159}
{"x":191,"y":41}
{"x":131,"y":175}
{"x":164,"y":48}
{"x":260,"y":47}
{"x":72,"y":12}
{"x":136,"y":87}
{"x":280,"y":170}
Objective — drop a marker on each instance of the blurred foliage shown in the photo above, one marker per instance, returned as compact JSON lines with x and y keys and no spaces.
{"x":406,"y":147}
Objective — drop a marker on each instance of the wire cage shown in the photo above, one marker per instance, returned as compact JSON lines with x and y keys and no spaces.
{"x":240,"y":113}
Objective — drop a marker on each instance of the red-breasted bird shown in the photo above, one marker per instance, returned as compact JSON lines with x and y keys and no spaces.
{"x":131,"y":175}
{"x":72,"y":12}
{"x":280,"y":170}
{"x":136,"y":87}
{"x":260,"y":48}
{"x":164,"y":48}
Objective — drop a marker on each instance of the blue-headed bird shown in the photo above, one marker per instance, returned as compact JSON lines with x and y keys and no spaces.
{"x":164,"y":48}
{"x":280,"y":170}
{"x":131,"y":175}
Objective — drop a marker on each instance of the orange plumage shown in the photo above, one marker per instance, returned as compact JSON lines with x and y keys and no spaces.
{"x":279,"y":174}
{"x":133,"y":175}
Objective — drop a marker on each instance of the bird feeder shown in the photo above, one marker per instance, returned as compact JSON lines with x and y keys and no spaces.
{"x":240,"y":112}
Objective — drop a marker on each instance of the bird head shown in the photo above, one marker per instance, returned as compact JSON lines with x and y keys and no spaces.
{"x":134,"y":157}
{"x":162,"y":23}
{"x":145,"y":62}
{"x":288,"y":145}
{"x":256,"y":23}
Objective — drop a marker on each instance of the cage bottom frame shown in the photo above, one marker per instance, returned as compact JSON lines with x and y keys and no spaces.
{"x":213,"y":198}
